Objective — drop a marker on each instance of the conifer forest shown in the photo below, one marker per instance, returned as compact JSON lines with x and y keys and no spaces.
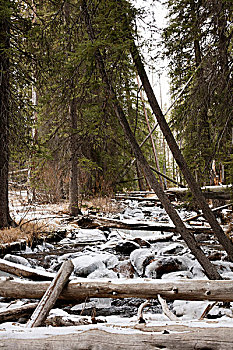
{"x":116,"y":162}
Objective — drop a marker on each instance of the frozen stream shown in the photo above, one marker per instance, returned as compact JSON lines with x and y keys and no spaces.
{"x":126,"y":253}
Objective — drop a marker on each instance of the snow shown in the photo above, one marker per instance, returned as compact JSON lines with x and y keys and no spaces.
{"x":98,"y":259}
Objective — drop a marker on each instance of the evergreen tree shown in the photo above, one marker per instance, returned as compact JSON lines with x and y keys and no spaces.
{"x":198,"y":42}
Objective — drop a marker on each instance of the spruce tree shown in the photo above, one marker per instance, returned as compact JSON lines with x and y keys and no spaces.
{"x":198,"y":42}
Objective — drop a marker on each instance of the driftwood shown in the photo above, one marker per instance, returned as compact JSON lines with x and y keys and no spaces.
{"x":25,"y":271}
{"x":14,"y":313}
{"x":82,"y":288}
{"x":140,"y":337}
{"x":208,"y":308}
{"x":103,"y":223}
{"x":213,"y":210}
{"x":61,"y":321}
{"x":166,"y":310}
{"x":140,"y":310}
{"x":51,"y":295}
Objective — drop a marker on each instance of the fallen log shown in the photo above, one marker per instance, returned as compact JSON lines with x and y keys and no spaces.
{"x":81,"y":288}
{"x":25,"y":271}
{"x":51,"y":295}
{"x":13,"y":314}
{"x":103,"y":223}
{"x":140,"y":337}
{"x":213,"y":210}
{"x":209,"y":192}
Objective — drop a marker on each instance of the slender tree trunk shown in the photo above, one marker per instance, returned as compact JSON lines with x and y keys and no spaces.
{"x":5,"y":220}
{"x":209,"y":269}
{"x":223,"y":239}
{"x":73,"y":146}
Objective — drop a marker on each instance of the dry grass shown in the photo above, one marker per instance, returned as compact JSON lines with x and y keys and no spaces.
{"x":28,"y":231}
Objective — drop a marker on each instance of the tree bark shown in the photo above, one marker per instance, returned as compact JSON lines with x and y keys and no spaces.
{"x":209,"y":269}
{"x":51,"y":295}
{"x":139,"y":337}
{"x":222,"y":238}
{"x":82,"y":288}
{"x":5,"y":220}
{"x":73,"y":146}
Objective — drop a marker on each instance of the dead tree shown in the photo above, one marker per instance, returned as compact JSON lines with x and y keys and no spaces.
{"x":209,"y":269}
{"x":222,"y":238}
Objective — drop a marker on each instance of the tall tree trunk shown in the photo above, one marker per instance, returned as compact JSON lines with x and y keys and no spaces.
{"x":223,"y":239}
{"x":5,"y":220}
{"x":73,"y":146}
{"x":209,"y":269}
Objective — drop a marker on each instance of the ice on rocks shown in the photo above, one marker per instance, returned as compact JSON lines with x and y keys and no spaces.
{"x":17,"y":259}
{"x":84,"y":265}
{"x":163,"y":265}
{"x":103,"y":273}
{"x":189,"y":309}
{"x":177,"y":275}
{"x":90,"y":235}
{"x":140,"y":258}
{"x":174,"y":248}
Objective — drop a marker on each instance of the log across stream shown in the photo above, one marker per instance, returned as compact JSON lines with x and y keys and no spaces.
{"x":82,"y":288}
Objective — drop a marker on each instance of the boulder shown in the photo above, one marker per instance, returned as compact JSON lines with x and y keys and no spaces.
{"x":17,"y":259}
{"x":140,"y":258}
{"x":163,"y":265}
{"x":126,"y":247}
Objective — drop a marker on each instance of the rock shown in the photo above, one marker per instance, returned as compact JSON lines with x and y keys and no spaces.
{"x":103,"y":273}
{"x":84,"y":265}
{"x":142,"y":242}
{"x":17,"y":259}
{"x":109,"y":260}
{"x":126,"y":247}
{"x":189,"y":309}
{"x":89,"y":235}
{"x":140,"y":258}
{"x":124,"y":269}
{"x":161,"y":266}
{"x":174,"y":248}
{"x":177,"y":275}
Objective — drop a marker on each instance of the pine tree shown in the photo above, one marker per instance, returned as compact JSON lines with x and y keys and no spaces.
{"x":198,"y":42}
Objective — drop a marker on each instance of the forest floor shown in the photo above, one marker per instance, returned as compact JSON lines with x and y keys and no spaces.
{"x":105,"y":252}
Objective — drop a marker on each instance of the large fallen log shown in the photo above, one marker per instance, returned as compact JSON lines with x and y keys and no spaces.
{"x":103,"y":223}
{"x":140,"y":337}
{"x":82,"y":288}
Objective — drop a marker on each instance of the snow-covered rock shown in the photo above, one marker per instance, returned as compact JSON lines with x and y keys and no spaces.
{"x":88,"y":263}
{"x":126,"y":247}
{"x":177,"y":275}
{"x":103,"y":273}
{"x":84,"y":265}
{"x":17,"y":259}
{"x":140,"y":258}
{"x":163,"y":265}
{"x":174,"y":248}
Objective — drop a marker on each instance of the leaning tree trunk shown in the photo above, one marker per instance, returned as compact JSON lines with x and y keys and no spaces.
{"x":209,"y":269}
{"x":5,"y":220}
{"x":218,"y":231}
